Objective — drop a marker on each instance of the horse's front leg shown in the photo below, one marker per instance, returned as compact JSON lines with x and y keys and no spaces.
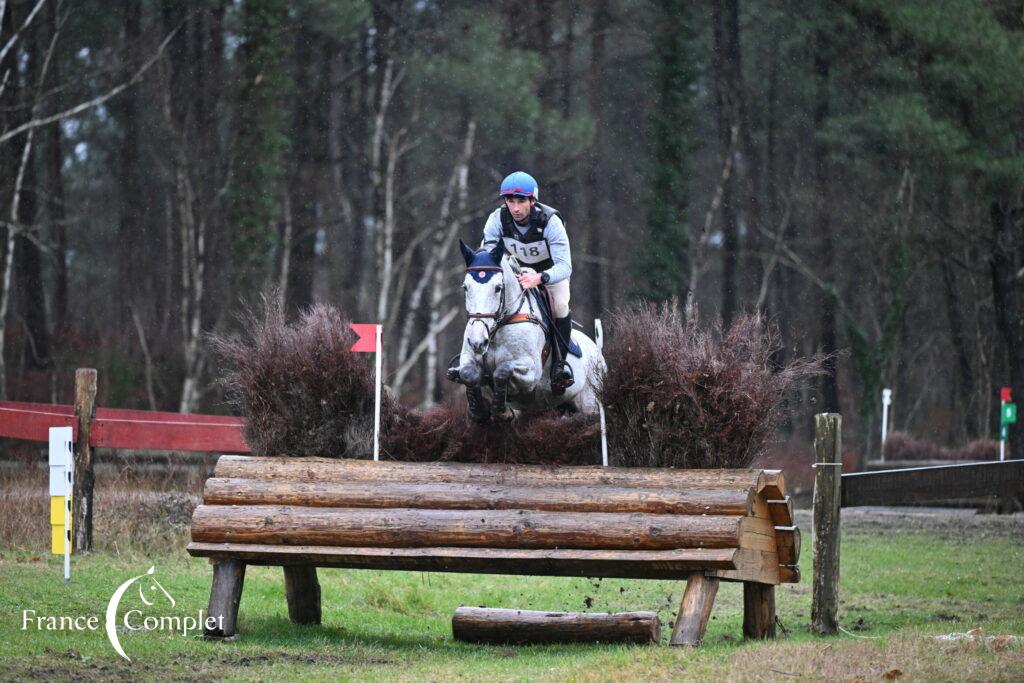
{"x":470,"y":374}
{"x":501,"y":379}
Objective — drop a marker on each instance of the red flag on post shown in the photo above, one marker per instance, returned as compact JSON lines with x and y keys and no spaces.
{"x":367,"y":342}
{"x":1004,"y":395}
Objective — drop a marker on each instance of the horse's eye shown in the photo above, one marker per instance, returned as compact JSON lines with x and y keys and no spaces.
{"x":465,"y":288}
{"x":498,"y":289}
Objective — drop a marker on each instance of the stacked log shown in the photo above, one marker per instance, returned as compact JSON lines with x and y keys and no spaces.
{"x":579,"y":521}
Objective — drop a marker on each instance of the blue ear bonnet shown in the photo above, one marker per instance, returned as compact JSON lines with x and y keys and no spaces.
{"x":483,"y":266}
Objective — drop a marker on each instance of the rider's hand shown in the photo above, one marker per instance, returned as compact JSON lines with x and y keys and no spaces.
{"x":528,"y":280}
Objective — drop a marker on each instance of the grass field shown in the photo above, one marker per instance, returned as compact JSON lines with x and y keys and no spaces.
{"x":899,"y":590}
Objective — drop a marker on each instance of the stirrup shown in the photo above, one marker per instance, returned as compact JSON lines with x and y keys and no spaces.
{"x":561,"y":377}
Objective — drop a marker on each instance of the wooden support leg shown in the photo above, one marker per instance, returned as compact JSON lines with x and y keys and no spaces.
{"x":758,"y":610}
{"x":225,"y":595}
{"x":694,"y":610}
{"x":302,"y":589}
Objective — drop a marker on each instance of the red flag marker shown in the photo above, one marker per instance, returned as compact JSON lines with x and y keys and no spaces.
{"x":1004,"y":395}
{"x":367,"y":342}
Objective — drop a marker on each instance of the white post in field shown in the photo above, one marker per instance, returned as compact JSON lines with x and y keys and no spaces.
{"x":62,"y":475}
{"x":886,"y":402}
{"x":599,"y":335}
{"x":376,"y":400}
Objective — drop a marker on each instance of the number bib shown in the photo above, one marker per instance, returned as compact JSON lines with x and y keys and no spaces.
{"x":529,"y":253}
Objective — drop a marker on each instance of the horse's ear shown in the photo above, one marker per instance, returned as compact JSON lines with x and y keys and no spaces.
{"x":497,"y":251}
{"x":467,"y":253}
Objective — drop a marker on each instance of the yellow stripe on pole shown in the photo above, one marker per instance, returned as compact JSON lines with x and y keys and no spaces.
{"x":57,"y":529}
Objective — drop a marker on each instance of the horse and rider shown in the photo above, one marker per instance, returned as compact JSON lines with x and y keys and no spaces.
{"x":517,"y":302}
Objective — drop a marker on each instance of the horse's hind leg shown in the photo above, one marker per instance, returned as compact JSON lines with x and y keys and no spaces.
{"x":501,"y":377}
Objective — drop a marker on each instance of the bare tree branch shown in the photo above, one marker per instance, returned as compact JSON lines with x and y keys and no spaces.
{"x":146,"y":356}
{"x":13,"y":231}
{"x":697,"y":265}
{"x":780,"y":233}
{"x":410,"y":362}
{"x":38,"y":122}
{"x":28,"y":20}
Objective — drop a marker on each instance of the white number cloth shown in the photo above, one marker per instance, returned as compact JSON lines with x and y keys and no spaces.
{"x":528,"y":252}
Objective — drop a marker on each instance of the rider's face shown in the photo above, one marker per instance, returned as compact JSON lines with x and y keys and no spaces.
{"x":520,"y":207}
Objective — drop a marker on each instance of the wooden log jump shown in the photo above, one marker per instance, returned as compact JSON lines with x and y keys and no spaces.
{"x":703,"y":526}
{"x":523,"y":627}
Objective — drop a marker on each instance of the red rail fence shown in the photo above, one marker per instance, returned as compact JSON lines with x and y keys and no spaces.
{"x":128,"y":429}
{"x":119,"y":429}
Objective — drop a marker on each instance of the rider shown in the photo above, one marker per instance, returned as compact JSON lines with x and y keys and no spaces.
{"x":535,"y":235}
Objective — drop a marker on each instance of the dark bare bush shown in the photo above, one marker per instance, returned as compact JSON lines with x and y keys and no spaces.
{"x":678,"y":395}
{"x":903,"y":446}
{"x":445,"y":432}
{"x":299,"y":388}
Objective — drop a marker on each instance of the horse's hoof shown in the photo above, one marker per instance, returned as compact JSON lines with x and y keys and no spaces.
{"x":506,"y":416}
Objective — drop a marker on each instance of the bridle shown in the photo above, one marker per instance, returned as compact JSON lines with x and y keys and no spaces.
{"x":500,"y":319}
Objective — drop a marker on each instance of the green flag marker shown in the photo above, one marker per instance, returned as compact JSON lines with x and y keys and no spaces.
{"x":1008,"y":416}
{"x":1004,"y":432}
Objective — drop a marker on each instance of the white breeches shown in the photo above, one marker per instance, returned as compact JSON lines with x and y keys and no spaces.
{"x":560,"y":298}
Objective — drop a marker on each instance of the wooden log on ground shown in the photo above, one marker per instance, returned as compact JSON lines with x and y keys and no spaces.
{"x":828,"y":446}
{"x":520,"y":627}
{"x":347,"y":470}
{"x":225,"y":596}
{"x":622,"y":564}
{"x":695,"y":610}
{"x":459,"y":496}
{"x":758,"y":610}
{"x":411,"y":528}
{"x":302,"y":590}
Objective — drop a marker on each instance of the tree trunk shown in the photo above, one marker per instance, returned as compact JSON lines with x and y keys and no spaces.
{"x":1005,"y":262}
{"x":823,"y":228}
{"x":963,"y":385}
{"x":728,"y":103}
{"x":303,"y":185}
{"x":342,"y":230}
{"x":131,"y":264}
{"x":593,"y":202}
{"x":55,"y":202}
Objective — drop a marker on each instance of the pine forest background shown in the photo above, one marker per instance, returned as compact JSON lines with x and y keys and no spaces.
{"x":852,"y":168}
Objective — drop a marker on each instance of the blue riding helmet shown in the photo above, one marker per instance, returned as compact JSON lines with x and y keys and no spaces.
{"x":520,"y":184}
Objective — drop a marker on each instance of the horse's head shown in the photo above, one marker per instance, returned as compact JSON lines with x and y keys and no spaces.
{"x":485,"y":288}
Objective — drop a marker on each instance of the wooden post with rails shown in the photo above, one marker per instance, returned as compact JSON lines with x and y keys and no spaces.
{"x":81,"y":495}
{"x":828,"y":449}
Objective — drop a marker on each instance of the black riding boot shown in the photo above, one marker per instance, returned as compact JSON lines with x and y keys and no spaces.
{"x":561,"y":373}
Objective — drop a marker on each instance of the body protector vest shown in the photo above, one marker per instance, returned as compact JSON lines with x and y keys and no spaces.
{"x":530,"y":248}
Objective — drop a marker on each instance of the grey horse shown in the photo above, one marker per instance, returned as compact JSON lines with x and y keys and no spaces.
{"x":504,"y":345}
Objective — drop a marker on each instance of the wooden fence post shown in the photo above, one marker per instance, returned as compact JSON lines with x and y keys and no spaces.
{"x":828,"y":450}
{"x":81,"y":493}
